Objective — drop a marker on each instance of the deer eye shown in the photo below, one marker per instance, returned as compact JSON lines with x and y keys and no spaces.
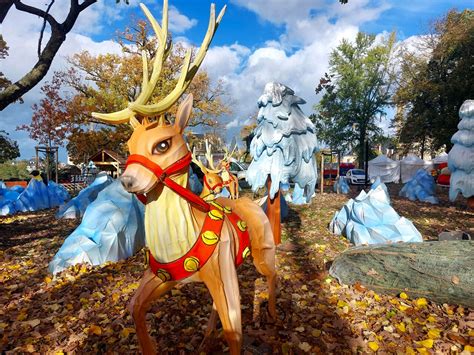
{"x":161,"y":147}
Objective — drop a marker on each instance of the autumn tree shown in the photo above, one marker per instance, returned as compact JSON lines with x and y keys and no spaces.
{"x":434,"y":82}
{"x":247,"y":134}
{"x":8,"y":148}
{"x":107,"y":82}
{"x":51,"y":123}
{"x":356,"y":92}
{"x":4,"y":82}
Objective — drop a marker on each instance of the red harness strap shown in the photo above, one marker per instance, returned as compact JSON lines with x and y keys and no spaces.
{"x":204,"y":247}
{"x":210,"y":188}
{"x":206,"y":243}
{"x":163,"y":176}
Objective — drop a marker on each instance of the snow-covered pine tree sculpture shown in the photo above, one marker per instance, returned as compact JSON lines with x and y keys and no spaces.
{"x":282,"y":148}
{"x":461,"y":155}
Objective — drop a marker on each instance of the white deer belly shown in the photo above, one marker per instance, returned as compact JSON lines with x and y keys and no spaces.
{"x":225,"y":176}
{"x":169,"y":227}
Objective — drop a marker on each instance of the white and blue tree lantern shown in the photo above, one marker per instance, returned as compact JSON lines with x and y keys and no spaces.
{"x":284,"y":144}
{"x":461,"y":155}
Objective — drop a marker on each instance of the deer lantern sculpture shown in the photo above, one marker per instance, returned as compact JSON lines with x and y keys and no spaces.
{"x":212,"y":181}
{"x":229,"y":180}
{"x":188,"y":238}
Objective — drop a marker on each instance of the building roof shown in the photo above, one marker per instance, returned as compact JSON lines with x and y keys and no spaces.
{"x":107,"y":155}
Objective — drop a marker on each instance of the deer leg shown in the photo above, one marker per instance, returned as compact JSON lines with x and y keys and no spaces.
{"x":212,"y":322}
{"x":264,"y":261}
{"x":211,"y":327}
{"x":151,"y":287}
{"x":221,"y":280}
{"x":236,"y":189}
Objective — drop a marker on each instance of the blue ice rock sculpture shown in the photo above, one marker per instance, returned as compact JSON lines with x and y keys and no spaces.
{"x":284,"y":142}
{"x":112,"y":229}
{"x":378,"y":183}
{"x":461,"y":155}
{"x":17,"y":188}
{"x":7,"y":195}
{"x":36,"y":196}
{"x":421,"y":187}
{"x":194,"y":183}
{"x":369,"y":219}
{"x":298,"y":197}
{"x":224,"y":193}
{"x":341,"y":186}
{"x":77,"y":206}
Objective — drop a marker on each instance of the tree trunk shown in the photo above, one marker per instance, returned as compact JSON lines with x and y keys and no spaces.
{"x":440,"y":271}
{"x":361,"y":156}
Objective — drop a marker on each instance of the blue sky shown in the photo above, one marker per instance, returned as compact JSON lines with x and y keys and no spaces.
{"x":258,"y":41}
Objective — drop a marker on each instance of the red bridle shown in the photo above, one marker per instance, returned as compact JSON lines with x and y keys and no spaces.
{"x":209,"y":187}
{"x":163,"y":176}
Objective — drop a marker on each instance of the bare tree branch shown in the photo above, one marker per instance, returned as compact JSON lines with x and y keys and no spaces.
{"x":58,"y":35}
{"x":43,"y":28}
{"x":38,"y":12}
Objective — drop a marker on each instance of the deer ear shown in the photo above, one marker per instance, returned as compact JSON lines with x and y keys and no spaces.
{"x":183,"y":114}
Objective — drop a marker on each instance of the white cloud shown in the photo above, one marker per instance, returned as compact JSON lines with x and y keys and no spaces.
{"x":224,"y":60}
{"x":232,"y":124}
{"x":298,"y":59}
{"x":179,"y":23}
{"x":22,"y":41}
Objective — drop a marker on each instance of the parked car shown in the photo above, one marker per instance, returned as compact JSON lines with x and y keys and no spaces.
{"x":355,"y":176}
{"x":239,"y":169}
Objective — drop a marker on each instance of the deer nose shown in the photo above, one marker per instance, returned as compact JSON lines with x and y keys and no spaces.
{"x":127,"y":181}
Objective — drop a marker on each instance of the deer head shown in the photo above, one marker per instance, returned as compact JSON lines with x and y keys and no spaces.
{"x":157,"y":140}
{"x":212,"y":180}
{"x":225,"y":162}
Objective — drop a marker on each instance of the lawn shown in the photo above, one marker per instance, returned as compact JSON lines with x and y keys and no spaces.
{"x":83,"y":310}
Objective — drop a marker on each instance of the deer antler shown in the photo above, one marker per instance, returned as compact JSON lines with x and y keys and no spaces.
{"x":148,"y":85}
{"x":228,"y":155}
{"x":210,"y":158}
{"x":198,"y":163}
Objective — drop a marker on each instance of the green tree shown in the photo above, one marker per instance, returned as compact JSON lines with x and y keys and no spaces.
{"x":356,"y":93}
{"x":14,"y":170}
{"x":433,"y":89}
{"x":8,"y":149}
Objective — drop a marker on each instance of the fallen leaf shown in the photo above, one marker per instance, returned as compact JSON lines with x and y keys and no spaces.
{"x":455,"y":280}
{"x":94,"y":329}
{"x":372,"y":272}
{"x":32,"y":323}
{"x":434,"y":333}
{"x":401,"y":327}
{"x":304,"y":346}
{"x":421,"y":302}
{"x":404,"y":296}
{"x":373,"y":345}
{"x":427,"y":343}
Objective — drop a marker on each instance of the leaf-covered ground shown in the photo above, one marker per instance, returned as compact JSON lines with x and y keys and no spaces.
{"x":83,"y":310}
